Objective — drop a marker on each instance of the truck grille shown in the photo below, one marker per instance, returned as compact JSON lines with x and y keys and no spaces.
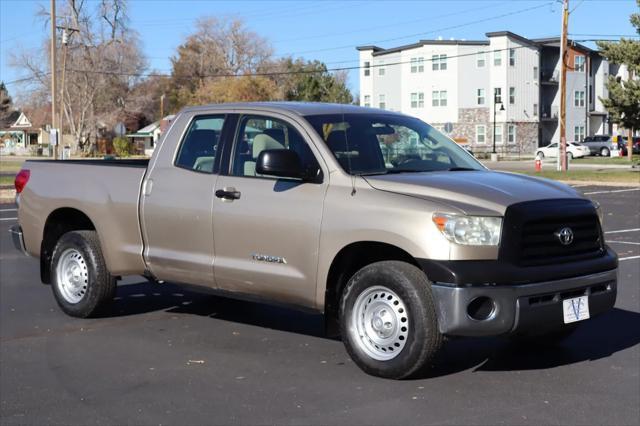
{"x":531,"y":232}
{"x":540,"y":243}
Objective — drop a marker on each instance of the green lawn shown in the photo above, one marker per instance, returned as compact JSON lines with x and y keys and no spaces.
{"x":604,"y":176}
{"x":623,"y":161}
{"x":8,"y":164}
{"x":6,"y":180}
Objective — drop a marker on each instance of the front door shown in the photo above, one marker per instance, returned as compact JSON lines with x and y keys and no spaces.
{"x":266,"y":229}
{"x":177,"y":204}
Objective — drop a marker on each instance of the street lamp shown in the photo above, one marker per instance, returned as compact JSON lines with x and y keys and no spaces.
{"x":495,"y":102}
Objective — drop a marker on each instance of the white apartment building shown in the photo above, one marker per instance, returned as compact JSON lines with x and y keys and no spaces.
{"x":458,"y":85}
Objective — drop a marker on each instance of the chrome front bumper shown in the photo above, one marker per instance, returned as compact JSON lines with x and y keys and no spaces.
{"x":520,"y":308}
{"x":18,"y":239}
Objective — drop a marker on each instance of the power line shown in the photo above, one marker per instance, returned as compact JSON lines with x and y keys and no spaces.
{"x":478,"y":21}
{"x":280,"y":73}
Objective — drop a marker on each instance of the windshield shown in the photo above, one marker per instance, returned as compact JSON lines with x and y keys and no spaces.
{"x":366,"y":144}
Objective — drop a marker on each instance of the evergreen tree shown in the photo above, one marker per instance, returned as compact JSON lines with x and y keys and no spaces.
{"x":623,"y":102}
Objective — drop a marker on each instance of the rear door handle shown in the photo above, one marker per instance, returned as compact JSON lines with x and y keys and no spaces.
{"x":228,"y":194}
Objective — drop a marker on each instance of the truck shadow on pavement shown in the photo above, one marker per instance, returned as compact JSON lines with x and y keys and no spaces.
{"x":597,"y":338}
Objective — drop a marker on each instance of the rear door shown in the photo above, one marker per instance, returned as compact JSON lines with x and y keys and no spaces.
{"x":267,"y":230}
{"x":177,"y":201}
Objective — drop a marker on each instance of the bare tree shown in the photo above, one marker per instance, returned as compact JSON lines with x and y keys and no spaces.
{"x":102,"y":67}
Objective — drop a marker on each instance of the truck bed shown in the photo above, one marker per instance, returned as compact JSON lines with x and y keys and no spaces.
{"x":106,"y":192}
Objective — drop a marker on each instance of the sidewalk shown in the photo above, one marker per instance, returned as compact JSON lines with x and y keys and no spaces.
{"x":529,"y":165}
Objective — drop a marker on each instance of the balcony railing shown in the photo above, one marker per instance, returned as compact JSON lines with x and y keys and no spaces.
{"x":549,"y":112}
{"x":550,"y":76}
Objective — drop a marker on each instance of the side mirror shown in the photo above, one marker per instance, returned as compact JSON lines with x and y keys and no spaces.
{"x":280,"y":162}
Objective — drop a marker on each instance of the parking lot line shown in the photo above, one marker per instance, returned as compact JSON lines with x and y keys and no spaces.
{"x":611,"y":191}
{"x":624,"y":242}
{"x":8,"y":210}
{"x":8,"y":218}
{"x":622,"y":230}
{"x":629,"y":258}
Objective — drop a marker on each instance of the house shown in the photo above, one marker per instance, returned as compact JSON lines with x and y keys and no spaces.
{"x":145,"y":139}
{"x":20,"y":135}
{"x":506,"y":85}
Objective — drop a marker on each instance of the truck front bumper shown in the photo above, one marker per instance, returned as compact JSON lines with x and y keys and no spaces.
{"x":510,"y":306}
{"x":18,"y":239}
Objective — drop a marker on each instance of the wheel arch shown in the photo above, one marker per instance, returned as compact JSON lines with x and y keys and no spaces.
{"x":347,"y":262}
{"x":58,"y":223}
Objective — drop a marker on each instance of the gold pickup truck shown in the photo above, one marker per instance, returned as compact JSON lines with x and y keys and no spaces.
{"x":398,"y":235}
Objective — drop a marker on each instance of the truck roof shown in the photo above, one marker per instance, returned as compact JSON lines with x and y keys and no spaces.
{"x":300,"y":108}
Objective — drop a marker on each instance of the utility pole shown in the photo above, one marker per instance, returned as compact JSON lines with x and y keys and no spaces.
{"x":161,"y":107}
{"x":562,"y":148}
{"x":67,"y":32}
{"x":53,"y":73}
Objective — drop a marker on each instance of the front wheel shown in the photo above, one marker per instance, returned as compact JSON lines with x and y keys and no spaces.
{"x":604,"y":152}
{"x":81,"y":283}
{"x":388,"y":320}
{"x":540,"y":155}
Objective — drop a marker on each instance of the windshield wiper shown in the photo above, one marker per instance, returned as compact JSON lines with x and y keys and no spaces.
{"x":396,"y":171}
{"x":461,"y":169}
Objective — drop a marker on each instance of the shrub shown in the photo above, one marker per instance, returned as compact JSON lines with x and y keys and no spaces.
{"x":122,"y":147}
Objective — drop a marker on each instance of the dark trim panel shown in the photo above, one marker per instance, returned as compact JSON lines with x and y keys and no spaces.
{"x":465,"y":273}
{"x":141,"y":163}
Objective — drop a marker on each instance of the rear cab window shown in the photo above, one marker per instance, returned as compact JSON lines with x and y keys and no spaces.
{"x":199,"y":147}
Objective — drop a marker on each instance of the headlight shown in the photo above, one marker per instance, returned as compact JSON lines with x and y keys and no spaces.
{"x":469,"y":230}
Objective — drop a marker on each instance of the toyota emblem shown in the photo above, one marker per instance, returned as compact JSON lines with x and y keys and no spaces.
{"x":565,"y":236}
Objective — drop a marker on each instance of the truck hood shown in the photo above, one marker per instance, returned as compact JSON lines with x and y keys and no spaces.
{"x":473,"y":192}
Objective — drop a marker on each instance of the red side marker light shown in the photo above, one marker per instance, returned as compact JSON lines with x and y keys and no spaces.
{"x":21,"y":180}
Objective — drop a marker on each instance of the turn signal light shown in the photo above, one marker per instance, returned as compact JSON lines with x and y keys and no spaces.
{"x":21,"y":180}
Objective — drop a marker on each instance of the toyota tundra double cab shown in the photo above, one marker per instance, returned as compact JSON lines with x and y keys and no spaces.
{"x":374,"y":218}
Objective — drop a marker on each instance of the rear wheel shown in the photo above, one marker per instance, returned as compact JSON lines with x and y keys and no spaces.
{"x":604,"y":152}
{"x":80,"y":281}
{"x":388,"y":320}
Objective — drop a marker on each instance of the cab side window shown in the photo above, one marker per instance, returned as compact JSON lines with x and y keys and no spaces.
{"x":200,"y":144}
{"x":257,"y":134}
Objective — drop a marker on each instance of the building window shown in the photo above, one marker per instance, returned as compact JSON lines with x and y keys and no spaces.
{"x":535,"y":73}
{"x":439,"y":62}
{"x":578,"y":98}
{"x":512,"y":57}
{"x":535,"y":110}
{"x":480,"y":59}
{"x":512,"y":95}
{"x":498,"y":132}
{"x":382,"y":104}
{"x":578,"y":133}
{"x":439,"y":98}
{"x":367,"y":69}
{"x":480,"y":96}
{"x":367,"y":100}
{"x":511,"y":133}
{"x":417,"y":65}
{"x":417,"y":100}
{"x":579,"y":63}
{"x":497,"y":95}
{"x":481,"y":134}
{"x":381,"y":69}
{"x":497,"y":58}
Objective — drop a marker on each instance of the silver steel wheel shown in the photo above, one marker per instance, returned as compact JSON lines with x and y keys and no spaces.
{"x":72,"y":276}
{"x":379,"y":323}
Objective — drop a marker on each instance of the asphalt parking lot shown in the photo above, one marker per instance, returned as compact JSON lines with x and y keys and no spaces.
{"x":166,"y":354}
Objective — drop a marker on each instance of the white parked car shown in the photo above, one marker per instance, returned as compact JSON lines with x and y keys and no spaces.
{"x":574,"y":150}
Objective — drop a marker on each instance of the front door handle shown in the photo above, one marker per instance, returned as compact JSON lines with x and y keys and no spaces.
{"x":228,"y":194}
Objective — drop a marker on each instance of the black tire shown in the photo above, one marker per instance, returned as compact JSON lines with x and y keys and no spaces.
{"x":570,"y":155}
{"x":423,"y":339}
{"x":604,"y":152}
{"x":540,"y":155}
{"x":99,"y":286}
